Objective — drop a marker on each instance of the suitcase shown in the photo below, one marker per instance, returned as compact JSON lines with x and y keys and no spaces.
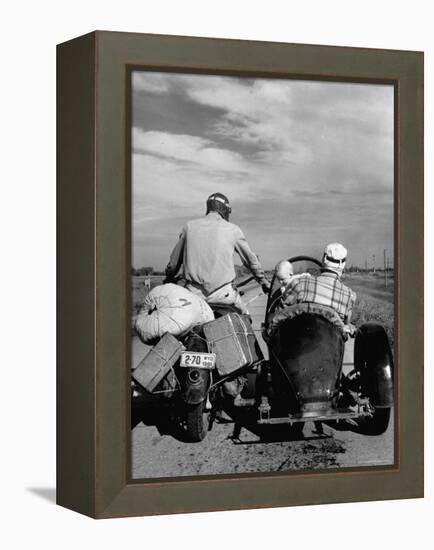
{"x":158,"y":362}
{"x":232,"y":339}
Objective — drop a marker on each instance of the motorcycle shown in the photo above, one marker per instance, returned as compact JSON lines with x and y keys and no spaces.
{"x":303,"y":379}
{"x":193,"y":389}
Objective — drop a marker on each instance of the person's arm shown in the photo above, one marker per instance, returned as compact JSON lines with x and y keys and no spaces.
{"x":176,"y":257}
{"x":290,"y":295}
{"x":250,"y":260}
{"x":349,"y":314}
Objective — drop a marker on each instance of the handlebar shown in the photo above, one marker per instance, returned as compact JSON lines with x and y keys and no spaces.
{"x":175,"y":280}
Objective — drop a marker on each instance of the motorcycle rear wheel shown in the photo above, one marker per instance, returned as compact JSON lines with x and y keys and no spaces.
{"x":195,"y":422}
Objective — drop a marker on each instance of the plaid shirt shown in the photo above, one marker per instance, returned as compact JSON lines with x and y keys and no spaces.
{"x":326,"y":289}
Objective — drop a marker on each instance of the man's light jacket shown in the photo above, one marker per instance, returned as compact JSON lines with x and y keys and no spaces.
{"x":206,"y":248}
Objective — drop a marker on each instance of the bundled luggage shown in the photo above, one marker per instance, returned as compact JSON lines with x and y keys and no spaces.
{"x":173,"y":309}
{"x":169,"y":312}
{"x":232,"y":339}
{"x":158,"y":362}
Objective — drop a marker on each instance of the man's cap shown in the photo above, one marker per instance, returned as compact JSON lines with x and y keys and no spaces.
{"x":335,"y":255}
{"x":217,"y":202}
{"x":219,"y":197}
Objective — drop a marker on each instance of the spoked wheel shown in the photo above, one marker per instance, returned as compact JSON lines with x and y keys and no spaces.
{"x":196,"y":422}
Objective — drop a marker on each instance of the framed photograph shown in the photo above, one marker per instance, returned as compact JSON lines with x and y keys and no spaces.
{"x":240,"y":274}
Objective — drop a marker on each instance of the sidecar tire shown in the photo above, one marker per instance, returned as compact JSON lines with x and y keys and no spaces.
{"x":195,"y":422}
{"x":377,"y":424}
{"x":374,"y":361}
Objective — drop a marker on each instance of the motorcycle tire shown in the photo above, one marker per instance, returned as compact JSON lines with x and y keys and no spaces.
{"x":195,"y":422}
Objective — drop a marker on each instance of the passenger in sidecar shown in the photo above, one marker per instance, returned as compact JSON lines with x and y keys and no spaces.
{"x":326,"y":288}
{"x":306,"y":332}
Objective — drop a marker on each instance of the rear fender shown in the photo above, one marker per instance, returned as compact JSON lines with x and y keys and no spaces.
{"x":195,"y":385}
{"x":195,"y":382}
{"x":373,"y":360}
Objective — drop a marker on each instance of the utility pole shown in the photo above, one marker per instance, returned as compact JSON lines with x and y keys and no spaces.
{"x":385,"y":267}
{"x":373,"y":263}
{"x":366,"y":264}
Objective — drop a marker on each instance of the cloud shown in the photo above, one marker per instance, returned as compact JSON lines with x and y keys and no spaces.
{"x":154,"y":83}
{"x":300,"y":160}
{"x":305,"y":124}
{"x":189,"y":149}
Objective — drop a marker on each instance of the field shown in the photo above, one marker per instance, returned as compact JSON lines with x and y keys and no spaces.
{"x":375,"y":300}
{"x":139,"y":291}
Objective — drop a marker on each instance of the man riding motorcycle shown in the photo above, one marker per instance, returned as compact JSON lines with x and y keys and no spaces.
{"x":205,"y":252}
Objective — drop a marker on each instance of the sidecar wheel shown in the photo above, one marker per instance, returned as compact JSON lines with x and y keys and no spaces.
{"x":376,"y":424}
{"x":374,"y":362}
{"x":195,"y":421}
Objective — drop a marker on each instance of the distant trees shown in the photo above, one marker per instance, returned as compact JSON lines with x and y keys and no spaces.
{"x":142,"y":271}
{"x":358,"y":269}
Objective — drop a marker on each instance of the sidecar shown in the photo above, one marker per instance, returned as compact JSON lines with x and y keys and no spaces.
{"x":306,"y":378}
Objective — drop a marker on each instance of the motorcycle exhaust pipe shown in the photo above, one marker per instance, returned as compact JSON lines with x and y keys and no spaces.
{"x":195,"y":386}
{"x":194,"y":376}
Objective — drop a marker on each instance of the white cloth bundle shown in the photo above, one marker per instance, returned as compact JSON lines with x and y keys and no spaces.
{"x":170,"y":308}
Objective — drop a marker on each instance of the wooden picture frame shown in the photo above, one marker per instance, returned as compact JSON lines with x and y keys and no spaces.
{"x":93,"y":405}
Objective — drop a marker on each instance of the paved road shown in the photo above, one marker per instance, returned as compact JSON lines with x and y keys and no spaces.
{"x":157,"y":453}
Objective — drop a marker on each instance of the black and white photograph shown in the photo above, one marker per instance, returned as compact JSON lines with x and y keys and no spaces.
{"x":218,"y":255}
{"x":262,"y":274}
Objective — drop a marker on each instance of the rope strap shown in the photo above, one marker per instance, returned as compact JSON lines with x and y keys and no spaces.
{"x":237,"y":333}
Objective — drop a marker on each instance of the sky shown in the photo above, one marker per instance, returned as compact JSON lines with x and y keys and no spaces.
{"x":304,"y":163}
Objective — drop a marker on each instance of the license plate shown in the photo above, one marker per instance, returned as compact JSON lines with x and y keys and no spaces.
{"x":198,"y":360}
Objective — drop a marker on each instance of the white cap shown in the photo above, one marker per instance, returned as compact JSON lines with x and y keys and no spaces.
{"x":334,"y":258}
